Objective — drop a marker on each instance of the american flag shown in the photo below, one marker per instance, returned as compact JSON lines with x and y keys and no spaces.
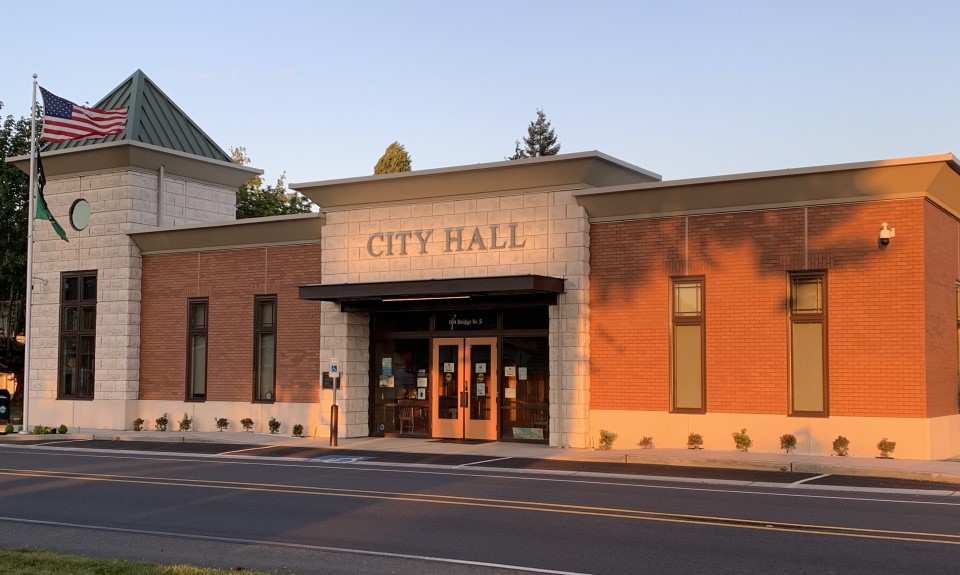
{"x":63,"y":120}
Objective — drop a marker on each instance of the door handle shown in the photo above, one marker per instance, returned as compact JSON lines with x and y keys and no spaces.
{"x":464,"y":398}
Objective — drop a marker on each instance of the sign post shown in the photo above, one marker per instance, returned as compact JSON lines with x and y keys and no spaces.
{"x":335,"y":376}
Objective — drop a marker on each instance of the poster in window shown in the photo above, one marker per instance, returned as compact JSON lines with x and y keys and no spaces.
{"x":522,"y":373}
{"x":386,"y":366}
{"x":510,"y":371}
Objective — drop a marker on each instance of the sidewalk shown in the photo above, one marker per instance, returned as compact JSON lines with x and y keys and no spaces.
{"x":913,"y":469}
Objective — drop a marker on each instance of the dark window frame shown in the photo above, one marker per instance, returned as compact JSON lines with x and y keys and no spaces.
{"x":85,"y":302}
{"x":193,"y":331}
{"x":699,"y":319}
{"x":807,"y":316}
{"x":259,"y":330}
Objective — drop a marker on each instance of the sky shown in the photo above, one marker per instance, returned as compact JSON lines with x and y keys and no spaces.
{"x":318,"y":89}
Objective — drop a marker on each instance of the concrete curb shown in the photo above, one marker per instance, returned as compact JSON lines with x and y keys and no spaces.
{"x":882,"y":472}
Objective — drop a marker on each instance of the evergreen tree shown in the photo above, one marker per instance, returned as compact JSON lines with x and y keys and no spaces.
{"x":254,"y":200}
{"x":394,"y":159}
{"x":540,"y":140}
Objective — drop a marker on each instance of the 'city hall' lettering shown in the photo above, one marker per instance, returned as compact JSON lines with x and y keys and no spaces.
{"x":454,"y":240}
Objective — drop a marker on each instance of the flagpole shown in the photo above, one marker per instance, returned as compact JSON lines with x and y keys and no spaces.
{"x":30,"y":222}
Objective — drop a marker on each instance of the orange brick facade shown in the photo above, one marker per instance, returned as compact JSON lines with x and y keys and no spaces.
{"x":891,"y":311}
{"x":230,"y":279}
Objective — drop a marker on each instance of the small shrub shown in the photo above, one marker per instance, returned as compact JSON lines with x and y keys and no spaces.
{"x":788,"y":442}
{"x":274,"y":425}
{"x":161,"y":422}
{"x":38,"y":430}
{"x":694,"y":441}
{"x":886,"y":447}
{"x":185,"y":423}
{"x":298,"y":430}
{"x":606,"y":439}
{"x":247,"y":424}
{"x":646,"y":442}
{"x":841,"y":445}
{"x":222,"y":423}
{"x":62,"y":430}
{"x":8,"y":428}
{"x":742,"y":440}
{"x":138,"y":424}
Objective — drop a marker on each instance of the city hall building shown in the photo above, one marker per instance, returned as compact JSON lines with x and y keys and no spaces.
{"x":539,"y":300}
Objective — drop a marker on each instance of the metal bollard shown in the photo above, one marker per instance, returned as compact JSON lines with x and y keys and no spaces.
{"x":333,"y":424}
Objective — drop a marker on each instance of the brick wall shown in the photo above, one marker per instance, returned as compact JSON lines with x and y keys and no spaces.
{"x":230,"y":279}
{"x":942,"y":269}
{"x":745,"y":258}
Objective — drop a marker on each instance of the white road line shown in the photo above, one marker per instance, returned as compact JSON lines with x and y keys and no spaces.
{"x":242,"y":450}
{"x":512,"y":475}
{"x":484,"y":461}
{"x":61,"y":441}
{"x":289,"y":545}
{"x":802,"y":481}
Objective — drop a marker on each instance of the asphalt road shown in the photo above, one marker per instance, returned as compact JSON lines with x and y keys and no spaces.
{"x":314,"y":516}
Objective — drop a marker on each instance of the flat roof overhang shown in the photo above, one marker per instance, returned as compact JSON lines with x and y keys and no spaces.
{"x":500,"y":291}
{"x":563,"y":171}
{"x":125,"y":153}
{"x":290,"y":229}
{"x":935,"y":177}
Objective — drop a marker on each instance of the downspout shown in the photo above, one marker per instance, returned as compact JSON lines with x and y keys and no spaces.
{"x":560,"y":369}
{"x":160,"y":179}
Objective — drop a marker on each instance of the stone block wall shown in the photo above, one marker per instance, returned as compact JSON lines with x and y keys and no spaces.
{"x":122,"y":201}
{"x":542,"y":233}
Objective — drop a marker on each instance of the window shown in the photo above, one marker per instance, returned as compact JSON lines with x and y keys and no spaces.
{"x":688,"y":392}
{"x":265,"y":348}
{"x":197,"y":350}
{"x":78,"y":335}
{"x":808,"y":336}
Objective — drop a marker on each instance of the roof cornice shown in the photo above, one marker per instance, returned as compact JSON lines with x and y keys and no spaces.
{"x":836,"y":183}
{"x":237,"y":234}
{"x":128,"y":154}
{"x":566,"y":171}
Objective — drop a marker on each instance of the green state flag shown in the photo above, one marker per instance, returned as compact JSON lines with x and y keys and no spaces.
{"x":43,"y":212}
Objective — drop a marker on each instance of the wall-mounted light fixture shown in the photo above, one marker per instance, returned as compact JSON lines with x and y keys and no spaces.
{"x":886,"y":232}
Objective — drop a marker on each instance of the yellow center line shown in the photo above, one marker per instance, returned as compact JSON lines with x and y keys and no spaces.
{"x":519,"y":505}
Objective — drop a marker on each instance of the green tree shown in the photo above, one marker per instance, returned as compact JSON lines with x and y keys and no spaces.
{"x":14,"y":141}
{"x":254,"y":200}
{"x":540,"y":140}
{"x":394,"y":159}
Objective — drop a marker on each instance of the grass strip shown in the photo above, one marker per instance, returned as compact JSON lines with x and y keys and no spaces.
{"x":26,"y":561}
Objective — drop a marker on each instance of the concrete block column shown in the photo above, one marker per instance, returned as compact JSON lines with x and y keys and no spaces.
{"x":346,"y":336}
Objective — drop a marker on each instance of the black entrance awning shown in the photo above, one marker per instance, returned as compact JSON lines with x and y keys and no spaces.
{"x":425,"y":294}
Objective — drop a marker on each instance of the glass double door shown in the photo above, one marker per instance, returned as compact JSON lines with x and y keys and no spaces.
{"x":464,"y":382}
